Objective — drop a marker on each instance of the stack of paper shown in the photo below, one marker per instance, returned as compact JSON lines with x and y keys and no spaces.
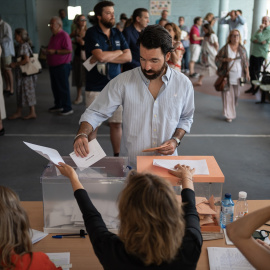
{"x":37,"y":235}
{"x":227,"y":258}
{"x":205,"y":209}
{"x":61,"y":259}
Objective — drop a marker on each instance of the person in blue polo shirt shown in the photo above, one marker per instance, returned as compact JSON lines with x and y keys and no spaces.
{"x":108,"y":47}
{"x":140,"y":20}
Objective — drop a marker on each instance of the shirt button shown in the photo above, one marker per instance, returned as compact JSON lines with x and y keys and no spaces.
{"x":155,"y":115}
{"x":155,"y":130}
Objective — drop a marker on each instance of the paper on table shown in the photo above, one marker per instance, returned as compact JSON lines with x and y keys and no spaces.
{"x":60,"y":259}
{"x":200,"y":200}
{"x":49,"y":153}
{"x":37,"y":235}
{"x":96,"y":153}
{"x":228,"y":241}
{"x":227,"y":258}
{"x":88,"y":65}
{"x":199,"y":165}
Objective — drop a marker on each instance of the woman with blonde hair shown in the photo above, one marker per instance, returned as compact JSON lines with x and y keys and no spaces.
{"x":25,"y":85}
{"x":15,"y":240}
{"x":179,"y":50}
{"x":155,"y":231}
{"x":232,"y":59}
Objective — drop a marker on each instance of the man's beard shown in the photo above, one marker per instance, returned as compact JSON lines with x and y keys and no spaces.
{"x":155,"y":74}
{"x":107,"y":24}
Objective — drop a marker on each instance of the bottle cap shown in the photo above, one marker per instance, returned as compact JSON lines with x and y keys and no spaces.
{"x":228,"y":195}
{"x":242,"y":195}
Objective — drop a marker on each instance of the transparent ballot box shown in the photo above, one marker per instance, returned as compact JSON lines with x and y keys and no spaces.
{"x":208,"y":187}
{"x":103,"y":181}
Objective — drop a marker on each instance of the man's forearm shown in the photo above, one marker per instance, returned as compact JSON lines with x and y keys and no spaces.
{"x":107,"y":56}
{"x":179,"y":133}
{"x":123,"y":58}
{"x":85,"y":128}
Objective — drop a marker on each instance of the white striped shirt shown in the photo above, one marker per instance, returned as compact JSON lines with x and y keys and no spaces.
{"x":147,"y":122}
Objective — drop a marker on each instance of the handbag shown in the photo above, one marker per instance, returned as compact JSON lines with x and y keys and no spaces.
{"x":32,"y":67}
{"x":221,"y":83}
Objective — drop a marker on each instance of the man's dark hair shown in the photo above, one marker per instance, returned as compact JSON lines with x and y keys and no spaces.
{"x":197,"y":19}
{"x":240,"y":11}
{"x":138,"y":13}
{"x":181,"y":17}
{"x":156,"y":36}
{"x":99,"y":7}
{"x":60,"y":10}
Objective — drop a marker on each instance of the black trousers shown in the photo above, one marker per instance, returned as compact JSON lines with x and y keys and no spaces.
{"x":255,"y":64}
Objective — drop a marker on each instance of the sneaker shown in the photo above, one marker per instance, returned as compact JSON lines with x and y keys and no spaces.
{"x":55,"y":109}
{"x":64,"y":113}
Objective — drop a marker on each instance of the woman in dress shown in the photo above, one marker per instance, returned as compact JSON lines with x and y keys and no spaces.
{"x":78,"y":70}
{"x":25,"y":85}
{"x":155,"y":231}
{"x":15,"y":239}
{"x":208,"y":54}
{"x":232,"y":57}
{"x":177,"y":55}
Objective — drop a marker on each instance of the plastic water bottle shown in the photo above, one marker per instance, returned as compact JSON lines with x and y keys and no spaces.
{"x":226,"y":212}
{"x":241,"y":206}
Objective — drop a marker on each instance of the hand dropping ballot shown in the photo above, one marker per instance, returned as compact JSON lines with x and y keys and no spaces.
{"x":96,"y":153}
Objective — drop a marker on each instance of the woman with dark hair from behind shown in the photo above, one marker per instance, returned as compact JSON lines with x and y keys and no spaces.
{"x":25,"y":85}
{"x":155,"y":231}
{"x":15,"y":240}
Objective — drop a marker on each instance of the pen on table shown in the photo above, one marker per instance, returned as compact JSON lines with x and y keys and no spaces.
{"x":81,"y":234}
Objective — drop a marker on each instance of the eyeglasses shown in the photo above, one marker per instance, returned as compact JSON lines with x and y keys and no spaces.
{"x":83,"y":20}
{"x":235,"y":35}
{"x":260,"y":235}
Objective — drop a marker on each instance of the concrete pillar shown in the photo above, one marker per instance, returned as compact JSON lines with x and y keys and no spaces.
{"x":223,"y":29}
{"x":258,"y":12}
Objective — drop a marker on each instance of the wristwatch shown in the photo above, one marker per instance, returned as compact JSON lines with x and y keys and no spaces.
{"x":177,"y":141}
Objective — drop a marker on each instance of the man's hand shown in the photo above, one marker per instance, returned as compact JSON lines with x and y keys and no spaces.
{"x":169,"y":149}
{"x":81,"y":147}
{"x":245,"y":41}
{"x":264,"y":42}
{"x":262,"y":26}
{"x":93,"y":60}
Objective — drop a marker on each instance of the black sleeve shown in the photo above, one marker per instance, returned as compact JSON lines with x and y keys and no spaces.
{"x":191,"y":214}
{"x":94,"y":223}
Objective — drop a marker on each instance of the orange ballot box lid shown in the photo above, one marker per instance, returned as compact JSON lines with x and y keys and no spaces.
{"x":145,"y":164}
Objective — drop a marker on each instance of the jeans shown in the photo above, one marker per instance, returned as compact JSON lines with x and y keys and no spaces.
{"x":186,"y":59}
{"x":60,"y":86}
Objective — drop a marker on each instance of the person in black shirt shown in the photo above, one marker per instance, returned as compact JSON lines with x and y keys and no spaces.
{"x":155,"y":231}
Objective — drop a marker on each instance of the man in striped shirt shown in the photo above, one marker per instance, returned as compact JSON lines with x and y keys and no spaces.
{"x":158,"y":102}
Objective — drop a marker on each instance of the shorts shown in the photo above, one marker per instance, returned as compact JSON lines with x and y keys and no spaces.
{"x":6,"y":61}
{"x":90,"y":96}
{"x":195,"y":50}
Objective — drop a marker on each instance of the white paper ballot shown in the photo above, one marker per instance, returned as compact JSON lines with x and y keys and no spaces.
{"x":60,"y":259}
{"x":199,"y":165}
{"x":88,"y":65}
{"x":227,"y":258}
{"x":37,"y":235}
{"x":48,"y":153}
{"x":96,"y":153}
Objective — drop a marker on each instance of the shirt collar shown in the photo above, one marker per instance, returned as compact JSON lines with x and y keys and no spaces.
{"x":165,"y":78}
{"x":99,"y":30}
